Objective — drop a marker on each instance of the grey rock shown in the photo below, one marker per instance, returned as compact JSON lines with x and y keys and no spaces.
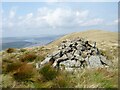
{"x":68,"y":49}
{"x":76,"y":53}
{"x":46,"y":60}
{"x":77,"y":64}
{"x":66,"y":63}
{"x":64,"y":57}
{"x":104,"y":61}
{"x":83,"y":48}
{"x":69,"y":55}
{"x":37,"y":65}
{"x":72,"y":63}
{"x":79,"y":58}
{"x":94,"y":44}
{"x":94,"y":62}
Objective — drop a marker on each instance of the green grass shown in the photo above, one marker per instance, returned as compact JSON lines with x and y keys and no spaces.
{"x":20,"y":70}
{"x":110,"y":53}
{"x":40,"y":58}
{"x":7,"y":81}
{"x":48,"y":72}
{"x":96,"y":78}
{"x":61,"y":81}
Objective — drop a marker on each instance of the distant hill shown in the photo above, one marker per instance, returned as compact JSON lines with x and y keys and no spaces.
{"x":22,"y":42}
{"x":99,"y":36}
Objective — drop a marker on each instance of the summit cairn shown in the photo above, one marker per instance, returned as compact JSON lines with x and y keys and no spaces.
{"x":75,"y":54}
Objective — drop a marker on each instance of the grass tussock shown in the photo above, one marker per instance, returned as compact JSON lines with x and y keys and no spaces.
{"x":28,"y":57}
{"x":102,"y":78}
{"x":51,"y":78}
{"x":13,"y":66}
{"x":48,"y":72}
{"x":24,"y":73}
{"x":61,"y":82}
{"x":23,"y":50}
{"x":40,"y":58}
{"x":10,"y":50}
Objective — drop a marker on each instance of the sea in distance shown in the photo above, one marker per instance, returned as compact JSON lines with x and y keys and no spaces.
{"x":22,"y":42}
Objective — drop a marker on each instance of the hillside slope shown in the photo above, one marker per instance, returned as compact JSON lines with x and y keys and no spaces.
{"x":19,"y":65}
{"x":99,"y":36}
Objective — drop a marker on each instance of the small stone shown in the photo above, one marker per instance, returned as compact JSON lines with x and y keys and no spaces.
{"x":37,"y":65}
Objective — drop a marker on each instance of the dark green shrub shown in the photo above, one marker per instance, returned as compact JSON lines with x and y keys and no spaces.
{"x":28,"y":57}
{"x":48,"y":72}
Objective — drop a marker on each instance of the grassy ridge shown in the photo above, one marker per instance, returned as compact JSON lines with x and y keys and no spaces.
{"x":18,"y":66}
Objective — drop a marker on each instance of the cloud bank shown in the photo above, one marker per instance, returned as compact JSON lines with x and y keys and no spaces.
{"x":51,"y":20}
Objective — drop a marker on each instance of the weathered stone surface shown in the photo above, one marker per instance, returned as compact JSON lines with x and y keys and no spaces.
{"x":104,"y":61}
{"x":46,"y":60}
{"x":76,"y":53}
{"x":94,"y":61}
{"x":37,"y":65}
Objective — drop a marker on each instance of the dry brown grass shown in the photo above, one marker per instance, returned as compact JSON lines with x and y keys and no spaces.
{"x":13,"y":66}
{"x":92,"y":35}
{"x":28,"y":57}
{"x":24,"y":73}
{"x":97,"y":78}
{"x":49,"y":78}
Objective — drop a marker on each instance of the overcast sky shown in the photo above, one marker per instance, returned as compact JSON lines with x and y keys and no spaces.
{"x":55,"y":18}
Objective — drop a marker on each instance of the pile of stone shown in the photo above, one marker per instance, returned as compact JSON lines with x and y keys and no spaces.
{"x":77,"y":53}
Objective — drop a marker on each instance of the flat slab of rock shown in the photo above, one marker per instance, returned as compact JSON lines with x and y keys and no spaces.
{"x":94,"y":62}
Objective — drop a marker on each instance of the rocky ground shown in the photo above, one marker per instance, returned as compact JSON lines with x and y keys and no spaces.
{"x":90,"y":56}
{"x":75,"y":54}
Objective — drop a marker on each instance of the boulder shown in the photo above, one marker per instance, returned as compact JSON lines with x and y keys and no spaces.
{"x":94,"y":62}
